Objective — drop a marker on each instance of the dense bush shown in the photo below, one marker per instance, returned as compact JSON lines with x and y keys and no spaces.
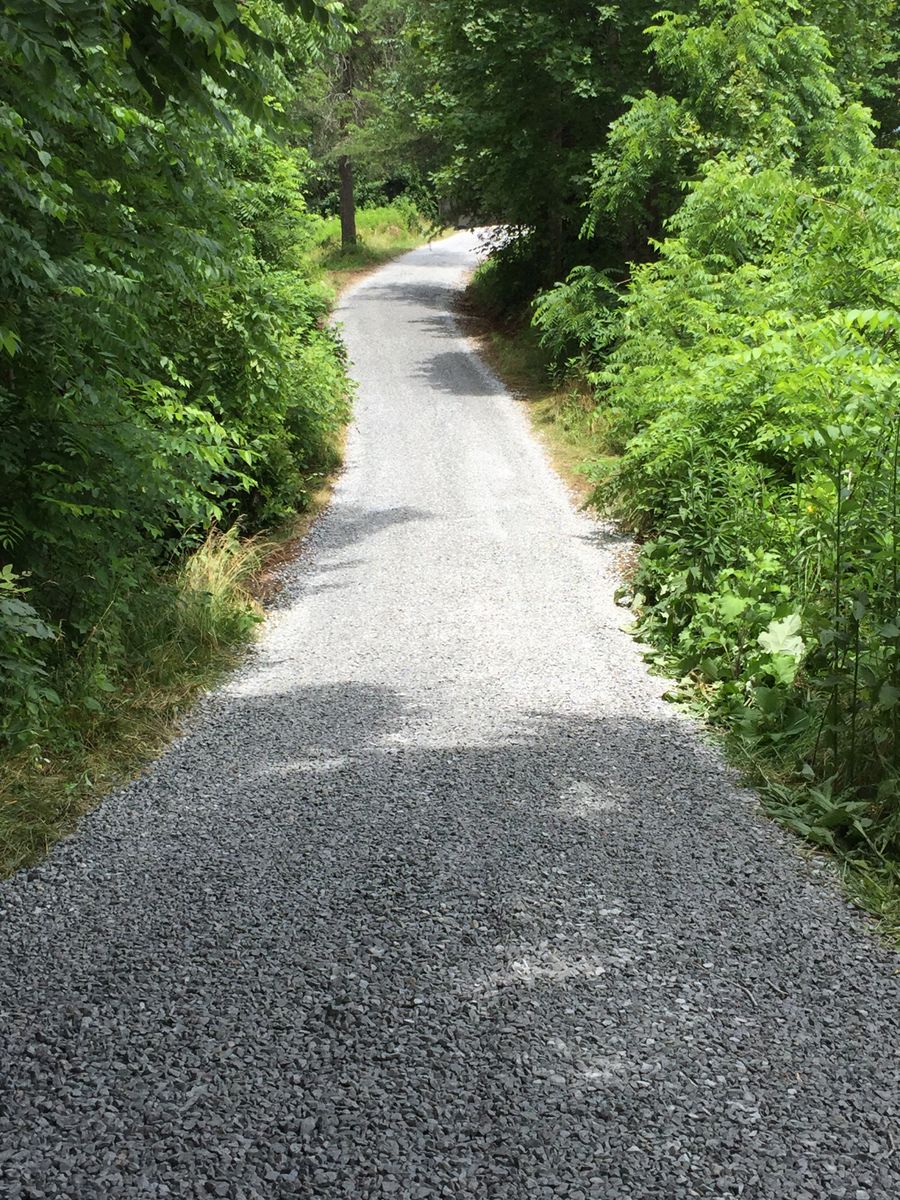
{"x":165,"y":360}
{"x":577,"y":321}
{"x":748,"y":377}
{"x":755,"y":389}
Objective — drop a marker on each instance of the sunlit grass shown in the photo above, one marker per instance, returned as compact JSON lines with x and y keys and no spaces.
{"x":382,"y":233}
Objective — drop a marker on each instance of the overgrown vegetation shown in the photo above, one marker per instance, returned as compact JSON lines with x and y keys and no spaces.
{"x":753,"y":384}
{"x":697,"y":209}
{"x":182,"y":636}
{"x":383,"y":231}
{"x":743,"y":368}
{"x":171,"y":384}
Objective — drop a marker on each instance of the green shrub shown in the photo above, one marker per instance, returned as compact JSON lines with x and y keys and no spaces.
{"x":166,"y":362}
{"x":748,"y":377}
{"x":506,"y":280}
{"x":24,"y":689}
{"x":577,"y":321}
{"x":755,"y":389}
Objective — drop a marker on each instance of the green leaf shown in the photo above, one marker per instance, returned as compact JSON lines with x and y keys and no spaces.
{"x":227,"y":10}
{"x":769,"y":700}
{"x":782,"y":637}
{"x":731,"y":606}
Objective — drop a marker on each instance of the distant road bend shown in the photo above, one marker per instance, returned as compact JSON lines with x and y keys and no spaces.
{"x":438,"y":898}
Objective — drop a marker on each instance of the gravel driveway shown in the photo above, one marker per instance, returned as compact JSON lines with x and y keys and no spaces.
{"x":438,"y":898}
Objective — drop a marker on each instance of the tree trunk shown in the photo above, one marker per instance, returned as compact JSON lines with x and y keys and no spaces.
{"x":555,"y":220}
{"x":348,"y":202}
{"x":345,"y":166}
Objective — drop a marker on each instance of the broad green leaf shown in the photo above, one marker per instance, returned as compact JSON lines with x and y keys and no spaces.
{"x":783,"y":637}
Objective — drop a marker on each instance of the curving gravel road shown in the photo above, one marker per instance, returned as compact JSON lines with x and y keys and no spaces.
{"x":438,"y":898}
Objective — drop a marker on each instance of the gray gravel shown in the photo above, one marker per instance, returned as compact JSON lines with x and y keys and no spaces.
{"x":438,"y":898}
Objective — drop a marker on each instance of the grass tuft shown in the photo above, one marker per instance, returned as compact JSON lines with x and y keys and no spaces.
{"x":216,"y":605}
{"x":196,"y":622}
{"x":382,"y":234}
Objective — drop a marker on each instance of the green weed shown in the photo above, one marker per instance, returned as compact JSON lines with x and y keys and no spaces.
{"x":382,"y":233}
{"x":189,"y":628}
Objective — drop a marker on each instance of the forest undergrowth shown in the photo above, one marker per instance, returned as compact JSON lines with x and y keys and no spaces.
{"x":173,"y":394}
{"x":181,"y":636}
{"x":743,"y":423}
{"x":576,"y":435}
{"x":697,"y":209}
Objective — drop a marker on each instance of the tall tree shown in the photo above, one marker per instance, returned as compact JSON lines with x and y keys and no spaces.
{"x":344,"y":161}
{"x":730,"y":75}
{"x":349,"y":106}
{"x":523,"y":93}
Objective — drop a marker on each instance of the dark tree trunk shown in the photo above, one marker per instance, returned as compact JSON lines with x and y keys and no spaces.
{"x":348,"y":202}
{"x":345,"y":166}
{"x":555,"y":218}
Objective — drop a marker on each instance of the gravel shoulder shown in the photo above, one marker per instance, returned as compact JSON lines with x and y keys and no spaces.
{"x":437,"y":897}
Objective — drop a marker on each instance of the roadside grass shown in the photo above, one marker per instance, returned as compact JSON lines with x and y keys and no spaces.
{"x":876,"y":889}
{"x":382,"y":234}
{"x":869,"y":879}
{"x":198,"y":621}
{"x":195,"y":622}
{"x":198,"y":624}
{"x":565,"y":419}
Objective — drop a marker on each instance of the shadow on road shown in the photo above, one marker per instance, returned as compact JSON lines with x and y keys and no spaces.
{"x":457,"y":374}
{"x":524,"y":959}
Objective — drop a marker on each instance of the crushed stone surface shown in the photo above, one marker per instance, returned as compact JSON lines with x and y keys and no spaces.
{"x":437,"y":897}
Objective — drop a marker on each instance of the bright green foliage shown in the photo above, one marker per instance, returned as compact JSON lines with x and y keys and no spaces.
{"x":521,"y":98}
{"x":520,"y":95}
{"x":164,"y":362}
{"x":758,"y":77}
{"x":160,"y":50}
{"x":577,"y":320}
{"x":754,"y":391}
{"x":746,"y":369}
